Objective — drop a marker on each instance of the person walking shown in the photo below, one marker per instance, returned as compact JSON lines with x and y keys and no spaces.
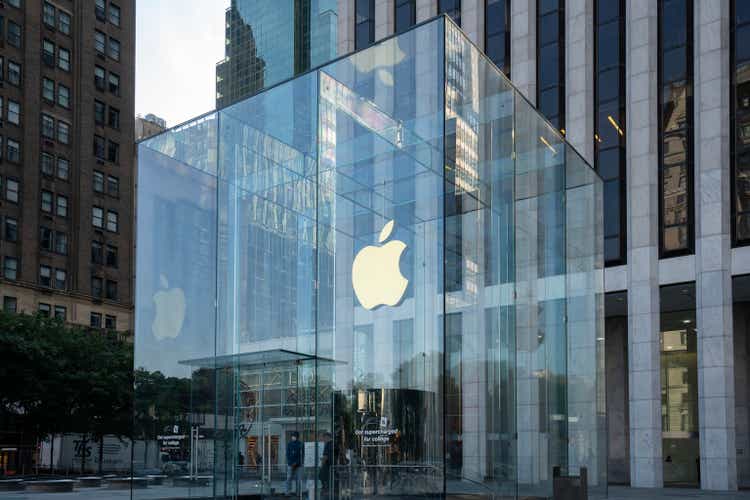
{"x":294,"y":459}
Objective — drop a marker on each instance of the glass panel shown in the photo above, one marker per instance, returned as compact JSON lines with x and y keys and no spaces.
{"x":679,"y":385}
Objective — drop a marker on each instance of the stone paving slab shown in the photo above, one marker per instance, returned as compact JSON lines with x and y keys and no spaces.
{"x":625,"y":493}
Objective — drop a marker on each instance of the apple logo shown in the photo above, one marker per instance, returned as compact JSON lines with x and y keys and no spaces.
{"x":170,"y":311}
{"x":376,"y":276}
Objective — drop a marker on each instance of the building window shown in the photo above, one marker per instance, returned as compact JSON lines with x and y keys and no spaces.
{"x":63,"y":22}
{"x":60,"y":313}
{"x":675,"y":127}
{"x":48,"y":164}
{"x":609,"y":116}
{"x":111,"y":290}
{"x":12,"y":192}
{"x":98,"y":182}
{"x":63,"y":59}
{"x":44,"y":309}
{"x":111,"y":256}
{"x":46,"y":201}
{"x":406,"y":15}
{"x":95,"y":320}
{"x":62,"y":206}
{"x":48,"y":53}
{"x":99,"y":147}
{"x":100,"y":80}
{"x":497,"y":33}
{"x":48,"y":127}
{"x":740,"y":111}
{"x":60,"y":279}
{"x":14,"y":150}
{"x":45,"y":238}
{"x":114,"y":83}
{"x":113,"y":152}
{"x":114,"y":48}
{"x":112,"y":224}
{"x":110,"y":322}
{"x":100,"y":42}
{"x":10,"y":268}
{"x":45,"y":276}
{"x":97,"y":286}
{"x":48,"y":90}
{"x":10,"y":304}
{"x":14,"y":34}
{"x":114,"y":14}
{"x":63,"y":168}
{"x":100,"y":10}
{"x":99,"y":112}
{"x":113,"y":185}
{"x":550,"y":61}
{"x":11,"y":229}
{"x":63,"y":132}
{"x":97,"y":253}
{"x":14,"y":73}
{"x":14,"y":112}
{"x":97,"y":217}
{"x":364,"y":24}
{"x":452,"y":8}
{"x":63,"y":96}
{"x":113,"y":118}
{"x":61,"y":243}
{"x":48,"y":16}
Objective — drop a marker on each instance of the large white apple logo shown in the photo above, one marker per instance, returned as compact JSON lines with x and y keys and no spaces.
{"x":376,"y":277}
{"x":170,"y":311}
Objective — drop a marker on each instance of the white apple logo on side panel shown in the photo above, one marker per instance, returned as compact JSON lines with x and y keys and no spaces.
{"x":170,"y":311}
{"x":376,"y":276}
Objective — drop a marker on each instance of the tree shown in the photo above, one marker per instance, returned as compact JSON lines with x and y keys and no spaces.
{"x":60,"y":378}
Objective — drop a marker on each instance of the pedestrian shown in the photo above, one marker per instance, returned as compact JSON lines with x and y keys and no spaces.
{"x":295,"y":454}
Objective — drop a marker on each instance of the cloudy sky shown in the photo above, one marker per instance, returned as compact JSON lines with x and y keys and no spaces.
{"x":178,"y":45}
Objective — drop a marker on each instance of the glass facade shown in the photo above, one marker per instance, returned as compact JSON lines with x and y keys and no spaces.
{"x":550,"y":61}
{"x":383,"y":277}
{"x":609,"y":116}
{"x":677,"y":231}
{"x":679,"y":385}
{"x":740,"y":111}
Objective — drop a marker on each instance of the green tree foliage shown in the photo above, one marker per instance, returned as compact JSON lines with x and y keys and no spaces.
{"x":60,"y":378}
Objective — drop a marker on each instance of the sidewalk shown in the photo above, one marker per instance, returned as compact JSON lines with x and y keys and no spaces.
{"x":625,"y":493}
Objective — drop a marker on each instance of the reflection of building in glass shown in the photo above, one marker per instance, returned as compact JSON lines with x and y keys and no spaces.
{"x":267,"y":42}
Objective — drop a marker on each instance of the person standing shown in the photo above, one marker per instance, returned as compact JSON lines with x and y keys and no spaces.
{"x":294,"y":460}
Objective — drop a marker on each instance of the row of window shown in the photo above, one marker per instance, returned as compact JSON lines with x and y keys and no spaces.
{"x":108,"y":184}
{"x":101,"y":10}
{"x":10,"y":305}
{"x":106,"y":115}
{"x":97,"y":219}
{"x":51,"y":203}
{"x":112,"y":49}
{"x":53,"y":241}
{"x":104,"y":254}
{"x":106,"y":149}
{"x":50,"y":278}
{"x":101,"y":287}
{"x":105,"y":82}
{"x":54,"y":18}
{"x":12,"y":31}
{"x":48,"y":129}
{"x":48,"y":55}
{"x":55,"y":166}
{"x":11,"y":72}
{"x":62,"y":97}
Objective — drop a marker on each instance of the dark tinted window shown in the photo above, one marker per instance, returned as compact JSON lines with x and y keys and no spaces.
{"x":551,"y":60}
{"x":405,"y":15}
{"x":452,"y":8}
{"x":364,"y":28}
{"x":497,"y":33}
{"x":740,"y":118}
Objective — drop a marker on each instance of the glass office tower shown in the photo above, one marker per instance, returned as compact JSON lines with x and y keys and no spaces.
{"x":392,"y":259}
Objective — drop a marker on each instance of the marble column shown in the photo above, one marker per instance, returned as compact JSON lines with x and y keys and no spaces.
{"x":579,"y":76}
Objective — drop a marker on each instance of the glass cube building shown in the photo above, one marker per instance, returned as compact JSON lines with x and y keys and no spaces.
{"x":392,"y":260}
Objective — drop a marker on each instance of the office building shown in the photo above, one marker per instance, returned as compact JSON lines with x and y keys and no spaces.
{"x":66,"y":167}
{"x":146,"y":126}
{"x":268,"y":42}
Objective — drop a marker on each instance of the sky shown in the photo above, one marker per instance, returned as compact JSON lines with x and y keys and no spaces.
{"x":178,"y":43}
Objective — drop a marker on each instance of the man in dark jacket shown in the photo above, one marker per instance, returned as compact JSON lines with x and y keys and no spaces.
{"x":295,"y":455}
